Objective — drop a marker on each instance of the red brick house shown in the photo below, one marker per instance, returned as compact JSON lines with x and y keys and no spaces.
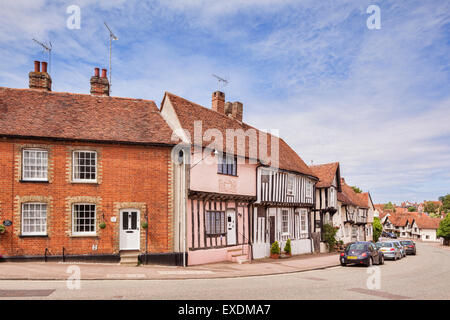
{"x":81,"y":175}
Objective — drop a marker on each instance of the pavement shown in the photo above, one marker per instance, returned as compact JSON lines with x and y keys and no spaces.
{"x":423,"y":276}
{"x":110,"y":271}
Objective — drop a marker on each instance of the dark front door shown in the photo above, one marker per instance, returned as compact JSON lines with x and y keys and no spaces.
{"x":272,"y":229}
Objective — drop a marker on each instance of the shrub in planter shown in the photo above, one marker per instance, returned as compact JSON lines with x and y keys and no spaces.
{"x":287,"y":247}
{"x":144,"y":225}
{"x":102,"y":225}
{"x":2,"y":229}
{"x":275,"y":250}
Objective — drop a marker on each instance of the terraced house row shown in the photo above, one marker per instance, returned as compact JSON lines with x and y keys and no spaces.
{"x":94,"y":177}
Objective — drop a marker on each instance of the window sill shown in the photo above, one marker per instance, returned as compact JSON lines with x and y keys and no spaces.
{"x":228,"y":175}
{"x":84,"y":182}
{"x":34,"y":181}
{"x":83,"y":236}
{"x":33,"y":236}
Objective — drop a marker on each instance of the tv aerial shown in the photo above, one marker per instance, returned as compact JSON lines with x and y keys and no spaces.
{"x":112,"y":37}
{"x":47,"y":48}
{"x":220,"y":81}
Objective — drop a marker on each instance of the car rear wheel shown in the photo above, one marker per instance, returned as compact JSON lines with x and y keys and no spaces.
{"x":343,"y":264}
{"x":381,"y":259}
{"x":369,"y":262}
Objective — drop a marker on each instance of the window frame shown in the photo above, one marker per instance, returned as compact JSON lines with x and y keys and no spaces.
{"x":42,"y":150}
{"x":309,"y":191}
{"x":78,"y":180}
{"x":303,"y":221}
{"x":84,"y":233}
{"x":220,"y":164}
{"x":41,"y":233}
{"x":290,"y":185}
{"x":284,"y":222}
{"x":222,"y":218}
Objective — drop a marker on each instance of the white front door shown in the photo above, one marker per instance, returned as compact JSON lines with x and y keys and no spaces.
{"x":129,"y":229}
{"x":231,"y":227}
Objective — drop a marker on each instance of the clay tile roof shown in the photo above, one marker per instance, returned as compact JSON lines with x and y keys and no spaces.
{"x":34,"y":113}
{"x":349,"y":196}
{"x":427,"y":222}
{"x":325,"y":173}
{"x":188,"y":112}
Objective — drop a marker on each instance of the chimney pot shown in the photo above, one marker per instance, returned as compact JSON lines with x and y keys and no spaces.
{"x":99,"y":86}
{"x":40,"y":80}
{"x":218,"y":102}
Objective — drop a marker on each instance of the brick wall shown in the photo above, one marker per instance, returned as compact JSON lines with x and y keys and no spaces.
{"x":133,"y":177}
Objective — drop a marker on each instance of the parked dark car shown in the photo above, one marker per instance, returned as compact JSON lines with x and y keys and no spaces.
{"x":410,"y":246}
{"x":362,"y":253}
{"x":385,"y":234}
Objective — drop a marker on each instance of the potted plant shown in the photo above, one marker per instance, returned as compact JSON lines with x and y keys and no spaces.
{"x":287,"y":248}
{"x":144,"y":225}
{"x":2,"y":229}
{"x":102,"y":225}
{"x":275,"y":250}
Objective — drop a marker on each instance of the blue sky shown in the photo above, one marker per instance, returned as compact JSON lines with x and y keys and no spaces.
{"x":378,"y":101}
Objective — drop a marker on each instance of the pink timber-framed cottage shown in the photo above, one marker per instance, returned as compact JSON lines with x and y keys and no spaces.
{"x":222,"y":208}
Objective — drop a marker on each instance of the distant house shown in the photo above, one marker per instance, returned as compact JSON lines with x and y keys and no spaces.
{"x":424,"y":228}
{"x":354,"y":210}
{"x":413,"y":225}
{"x":326,"y":208}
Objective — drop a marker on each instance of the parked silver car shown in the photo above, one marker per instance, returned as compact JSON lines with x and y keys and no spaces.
{"x":390,"y":250}
{"x":402,"y":247}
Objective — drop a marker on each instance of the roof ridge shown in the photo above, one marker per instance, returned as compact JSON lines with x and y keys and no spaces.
{"x":74,"y":93}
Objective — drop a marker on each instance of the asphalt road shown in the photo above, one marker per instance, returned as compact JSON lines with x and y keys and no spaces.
{"x":424,"y":276}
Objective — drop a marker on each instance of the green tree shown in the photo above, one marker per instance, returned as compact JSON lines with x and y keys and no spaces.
{"x":356,"y":189}
{"x":377,"y":228}
{"x":446,"y":203}
{"x":444,"y":229}
{"x":430,"y":207}
{"x":412,"y":209}
{"x":389,"y":206}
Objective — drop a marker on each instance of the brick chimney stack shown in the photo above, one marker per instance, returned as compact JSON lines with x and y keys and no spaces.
{"x":218,"y":101}
{"x":234,"y":110}
{"x":100,"y":85}
{"x":40,"y":80}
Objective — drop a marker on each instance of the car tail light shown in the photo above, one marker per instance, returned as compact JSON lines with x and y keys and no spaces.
{"x":364,"y":254}
{"x":392,"y":249}
{"x":342,"y":254}
{"x":411,"y":246}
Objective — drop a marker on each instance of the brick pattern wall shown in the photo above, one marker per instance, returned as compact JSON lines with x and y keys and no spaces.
{"x":132,"y":177}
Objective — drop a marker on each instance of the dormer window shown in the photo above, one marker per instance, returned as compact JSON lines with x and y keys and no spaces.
{"x":227,"y":165}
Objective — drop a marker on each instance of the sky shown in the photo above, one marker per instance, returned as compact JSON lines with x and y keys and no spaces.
{"x":376,"y":100}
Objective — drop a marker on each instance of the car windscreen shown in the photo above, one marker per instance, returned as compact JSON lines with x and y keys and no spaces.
{"x":406,"y":242}
{"x":357,"y":246}
{"x":384,"y":245}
